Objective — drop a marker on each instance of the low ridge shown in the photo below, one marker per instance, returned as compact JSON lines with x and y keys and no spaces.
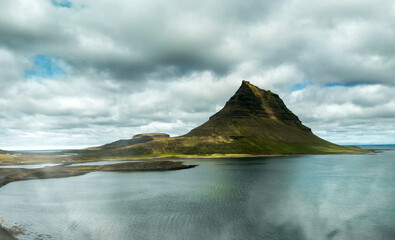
{"x":139,"y":138}
{"x":253,"y":122}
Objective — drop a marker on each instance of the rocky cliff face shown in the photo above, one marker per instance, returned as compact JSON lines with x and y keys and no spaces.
{"x":251,"y":101}
{"x":244,"y":103}
{"x":249,"y":106}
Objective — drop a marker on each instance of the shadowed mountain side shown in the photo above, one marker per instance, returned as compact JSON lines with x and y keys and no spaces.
{"x":253,"y":122}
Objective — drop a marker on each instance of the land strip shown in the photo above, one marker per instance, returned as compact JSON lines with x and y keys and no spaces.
{"x":8,"y":175}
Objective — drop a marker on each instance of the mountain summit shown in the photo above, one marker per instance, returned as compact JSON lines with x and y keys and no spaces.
{"x":249,"y":100}
{"x":253,"y":122}
{"x":252,"y":109}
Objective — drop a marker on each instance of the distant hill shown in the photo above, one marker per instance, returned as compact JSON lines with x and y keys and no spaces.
{"x":253,"y":122}
{"x":139,"y":138}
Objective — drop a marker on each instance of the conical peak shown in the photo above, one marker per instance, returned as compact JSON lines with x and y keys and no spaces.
{"x":246,"y":97}
{"x":246,"y":85}
{"x":245,"y":82}
{"x":248,"y":88}
{"x":249,"y":100}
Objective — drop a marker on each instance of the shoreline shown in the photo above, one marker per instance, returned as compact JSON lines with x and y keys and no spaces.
{"x":6,"y":234}
{"x":136,"y":163}
{"x":21,"y":159}
{"x":9,"y":175}
{"x":212,"y":156}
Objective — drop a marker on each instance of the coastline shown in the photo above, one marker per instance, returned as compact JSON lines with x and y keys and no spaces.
{"x":138,"y":163}
{"x":85,"y":159}
{"x":6,"y":234}
{"x":21,"y":159}
{"x":8,"y":175}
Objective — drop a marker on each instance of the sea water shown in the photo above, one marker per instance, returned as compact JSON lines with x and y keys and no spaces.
{"x":292,"y":197}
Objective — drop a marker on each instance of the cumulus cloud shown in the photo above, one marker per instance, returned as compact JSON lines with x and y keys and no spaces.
{"x":84,"y":72}
{"x":347,"y":114}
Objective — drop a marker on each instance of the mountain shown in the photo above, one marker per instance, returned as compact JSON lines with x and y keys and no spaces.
{"x":139,"y":138}
{"x":252,"y":122}
{"x":3,"y":152}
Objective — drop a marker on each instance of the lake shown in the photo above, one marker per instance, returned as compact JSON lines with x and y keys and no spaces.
{"x":291,"y":197}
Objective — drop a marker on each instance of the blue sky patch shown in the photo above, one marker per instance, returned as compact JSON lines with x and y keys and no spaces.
{"x":299,"y":86}
{"x":44,"y":67}
{"x":61,"y":3}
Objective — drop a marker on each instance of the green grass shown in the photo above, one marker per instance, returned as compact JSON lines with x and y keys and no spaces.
{"x":253,"y":122}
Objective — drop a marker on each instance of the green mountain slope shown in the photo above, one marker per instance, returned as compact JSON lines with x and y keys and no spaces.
{"x":253,"y":122}
{"x":139,"y":138}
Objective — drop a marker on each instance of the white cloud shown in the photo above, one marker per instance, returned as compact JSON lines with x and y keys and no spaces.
{"x":147,"y":65}
{"x":358,"y":114}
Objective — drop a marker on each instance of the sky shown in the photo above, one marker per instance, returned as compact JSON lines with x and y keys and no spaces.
{"x":78,"y":73}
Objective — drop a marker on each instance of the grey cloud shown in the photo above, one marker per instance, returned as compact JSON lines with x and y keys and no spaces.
{"x":356,"y":114}
{"x":328,"y":42}
{"x":138,"y":66}
{"x":141,"y":39}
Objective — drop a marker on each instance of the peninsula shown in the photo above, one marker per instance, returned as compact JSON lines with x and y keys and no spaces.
{"x":254,"y":122}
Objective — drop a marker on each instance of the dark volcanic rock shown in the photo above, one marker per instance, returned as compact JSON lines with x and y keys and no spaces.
{"x":251,"y":101}
{"x":243,"y":104}
{"x":253,"y":107}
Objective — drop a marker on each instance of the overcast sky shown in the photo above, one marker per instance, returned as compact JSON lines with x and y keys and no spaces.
{"x":77,"y":73}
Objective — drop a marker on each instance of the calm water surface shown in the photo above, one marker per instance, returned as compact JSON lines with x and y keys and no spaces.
{"x":306,"y":197}
{"x":31,"y":166}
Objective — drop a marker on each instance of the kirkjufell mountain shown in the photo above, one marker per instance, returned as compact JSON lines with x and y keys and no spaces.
{"x":252,"y":122}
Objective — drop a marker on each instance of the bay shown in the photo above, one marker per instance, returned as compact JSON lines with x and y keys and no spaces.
{"x":290,"y":197}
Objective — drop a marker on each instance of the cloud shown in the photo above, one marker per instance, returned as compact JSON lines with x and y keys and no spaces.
{"x":96,"y":67}
{"x":347,"y":114}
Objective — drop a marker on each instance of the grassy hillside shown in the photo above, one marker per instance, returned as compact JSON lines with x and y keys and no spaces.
{"x":253,"y":122}
{"x":139,"y":138}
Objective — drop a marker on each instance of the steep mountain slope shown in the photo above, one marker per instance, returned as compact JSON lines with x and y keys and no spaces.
{"x":253,"y":122}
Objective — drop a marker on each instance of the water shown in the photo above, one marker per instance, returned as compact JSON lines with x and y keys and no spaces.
{"x":98,"y":163}
{"x":31,"y":166}
{"x":304,"y":197}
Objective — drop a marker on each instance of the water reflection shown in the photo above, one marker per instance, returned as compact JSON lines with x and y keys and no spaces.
{"x":307,"y":197}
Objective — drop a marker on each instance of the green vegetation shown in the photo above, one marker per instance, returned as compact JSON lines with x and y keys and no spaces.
{"x":12,"y":158}
{"x":253,"y":122}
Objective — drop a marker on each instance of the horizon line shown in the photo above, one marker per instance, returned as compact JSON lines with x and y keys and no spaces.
{"x":63,"y":148}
